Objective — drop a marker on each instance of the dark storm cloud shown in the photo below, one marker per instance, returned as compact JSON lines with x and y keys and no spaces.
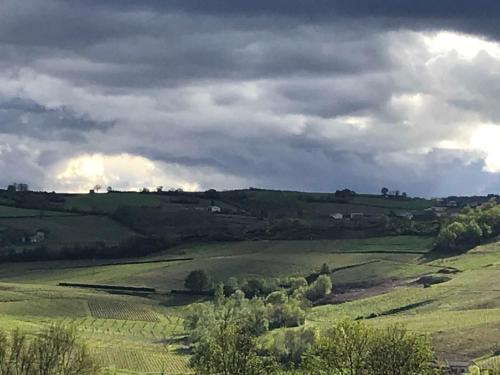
{"x":287,"y":94}
{"x":27,"y":118}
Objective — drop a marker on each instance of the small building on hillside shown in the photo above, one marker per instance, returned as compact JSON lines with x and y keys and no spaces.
{"x":404,"y":215}
{"x":215,"y":209}
{"x":38,"y":237}
{"x":357,"y":215}
{"x":451,"y":204}
{"x":91,"y":191}
{"x":336,"y":216}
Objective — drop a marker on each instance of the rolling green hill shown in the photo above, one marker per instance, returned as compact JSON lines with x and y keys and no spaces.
{"x":377,"y":267}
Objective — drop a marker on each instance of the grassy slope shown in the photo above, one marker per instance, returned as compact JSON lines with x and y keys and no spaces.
{"x":12,"y":212}
{"x":71,"y":230}
{"x":110,"y":202}
{"x":462,"y":315}
{"x":120,"y":328}
{"x":247,"y":259}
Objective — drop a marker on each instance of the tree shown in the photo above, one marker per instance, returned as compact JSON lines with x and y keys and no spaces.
{"x":319,"y":289}
{"x":229,"y":348}
{"x":159,"y":189}
{"x":55,"y":351}
{"x":196,"y":281}
{"x":289,"y":346}
{"x":353,"y":348}
{"x":225,"y":336}
{"x":109,"y":189}
{"x":384,"y":191}
{"x":397,"y":351}
{"x":341,"y":350}
{"x":97,"y":187}
{"x":325,"y":269}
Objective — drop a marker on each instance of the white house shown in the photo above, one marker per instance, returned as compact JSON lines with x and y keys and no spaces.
{"x":215,"y":209}
{"x":451,"y":203}
{"x":405,"y":215}
{"x":336,"y":216}
{"x":39,"y":236}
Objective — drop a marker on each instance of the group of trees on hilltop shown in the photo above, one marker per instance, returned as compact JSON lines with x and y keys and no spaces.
{"x":471,"y":227}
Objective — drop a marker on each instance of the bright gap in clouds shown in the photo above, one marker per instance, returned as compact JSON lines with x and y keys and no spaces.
{"x":122,"y":171}
{"x":465,"y":45}
{"x":487,"y":140}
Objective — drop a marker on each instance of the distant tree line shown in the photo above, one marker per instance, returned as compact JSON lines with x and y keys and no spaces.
{"x":132,"y":247}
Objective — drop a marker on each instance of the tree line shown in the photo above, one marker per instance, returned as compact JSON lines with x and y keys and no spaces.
{"x":470,"y":227}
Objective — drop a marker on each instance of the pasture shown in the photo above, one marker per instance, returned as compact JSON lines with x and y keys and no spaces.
{"x":142,"y":334}
{"x":371,"y":259}
{"x":69,"y":230}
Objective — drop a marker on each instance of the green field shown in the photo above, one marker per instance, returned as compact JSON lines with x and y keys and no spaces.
{"x":247,"y":259}
{"x":142,"y":334}
{"x":15,"y":212}
{"x":70,"y":230}
{"x":110,"y":201}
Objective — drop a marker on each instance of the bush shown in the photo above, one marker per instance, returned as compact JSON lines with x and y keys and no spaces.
{"x":196,"y":281}
{"x":288,"y":347}
{"x":283,"y":311}
{"x":55,"y":351}
{"x":319,"y":289}
{"x":470,"y":227}
{"x":353,"y":348}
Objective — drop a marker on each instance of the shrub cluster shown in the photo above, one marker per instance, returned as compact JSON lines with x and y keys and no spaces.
{"x":55,"y":351}
{"x":470,"y":227}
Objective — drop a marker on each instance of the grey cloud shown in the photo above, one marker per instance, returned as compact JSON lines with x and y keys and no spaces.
{"x":250,"y":89}
{"x":27,"y":118}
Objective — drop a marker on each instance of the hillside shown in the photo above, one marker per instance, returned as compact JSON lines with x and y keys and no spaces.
{"x":111,"y":220}
{"x":382,"y":265}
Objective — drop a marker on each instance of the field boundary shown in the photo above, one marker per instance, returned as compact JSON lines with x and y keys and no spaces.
{"x":110,"y":287}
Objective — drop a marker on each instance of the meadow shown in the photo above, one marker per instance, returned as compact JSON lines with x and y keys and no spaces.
{"x":139,"y":333}
{"x":143,"y":333}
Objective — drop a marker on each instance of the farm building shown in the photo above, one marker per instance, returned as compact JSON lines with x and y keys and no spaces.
{"x":336,"y":216}
{"x":357,"y":215}
{"x":215,"y":209}
{"x":405,"y":215}
{"x":39,"y":236}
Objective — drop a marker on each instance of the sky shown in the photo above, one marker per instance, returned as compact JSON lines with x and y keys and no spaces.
{"x":284,"y":94}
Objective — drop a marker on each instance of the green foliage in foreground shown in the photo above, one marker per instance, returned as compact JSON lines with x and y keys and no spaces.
{"x":352,"y":348}
{"x":470,"y":227}
{"x":55,"y":351}
{"x":228,"y":339}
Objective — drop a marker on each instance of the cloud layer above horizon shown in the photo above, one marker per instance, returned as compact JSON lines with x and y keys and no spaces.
{"x":229,"y":94}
